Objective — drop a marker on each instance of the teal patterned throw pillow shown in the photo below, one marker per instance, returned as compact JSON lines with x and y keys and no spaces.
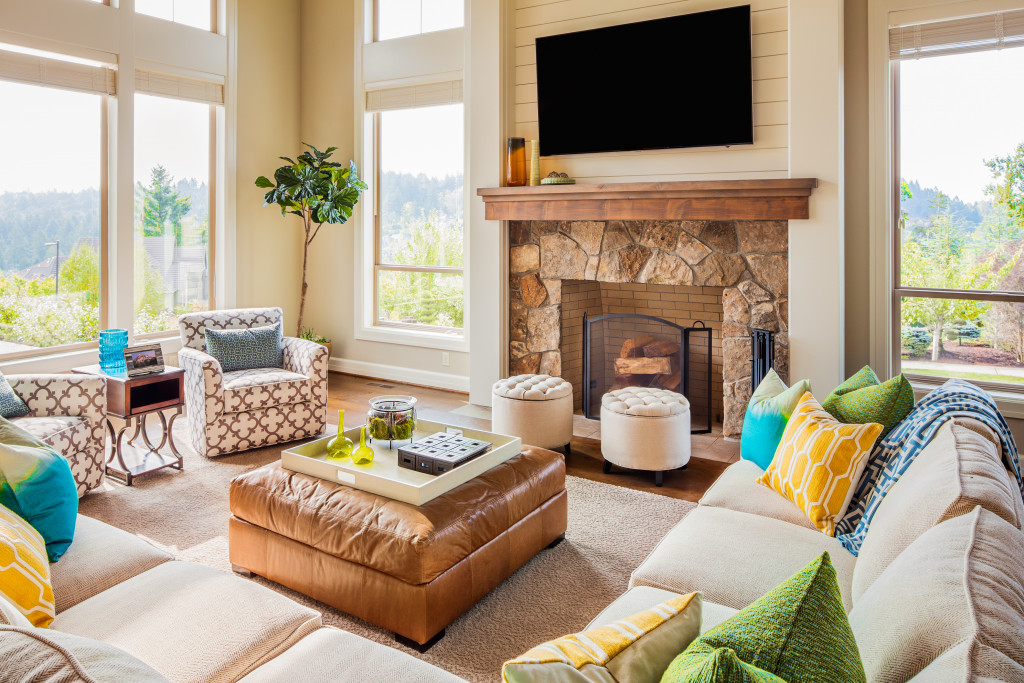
{"x":11,"y":404}
{"x":256,"y":347}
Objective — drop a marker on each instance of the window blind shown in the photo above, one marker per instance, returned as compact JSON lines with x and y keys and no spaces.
{"x":408,"y":97}
{"x":57,"y":73}
{"x":954,"y":36}
{"x":178,"y":87}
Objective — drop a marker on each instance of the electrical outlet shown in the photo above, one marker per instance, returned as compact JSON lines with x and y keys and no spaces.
{"x":446,"y":359}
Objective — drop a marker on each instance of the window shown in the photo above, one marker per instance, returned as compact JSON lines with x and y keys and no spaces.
{"x":959,"y":225}
{"x":172,"y":211}
{"x":195,"y":13}
{"x":398,"y":18}
{"x":419,"y":218}
{"x":50,"y":175}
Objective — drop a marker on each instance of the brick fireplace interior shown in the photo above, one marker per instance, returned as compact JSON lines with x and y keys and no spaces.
{"x":733,"y":275}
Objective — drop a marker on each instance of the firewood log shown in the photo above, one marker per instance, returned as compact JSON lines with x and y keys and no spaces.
{"x":643,"y":366}
{"x":632,"y":348}
{"x":661,"y":347}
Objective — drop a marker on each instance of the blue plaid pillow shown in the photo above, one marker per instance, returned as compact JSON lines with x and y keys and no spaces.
{"x":256,"y":347}
{"x":11,"y":404}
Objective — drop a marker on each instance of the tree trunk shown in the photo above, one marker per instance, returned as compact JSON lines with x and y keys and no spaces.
{"x":936,"y":341}
{"x":305,"y":285}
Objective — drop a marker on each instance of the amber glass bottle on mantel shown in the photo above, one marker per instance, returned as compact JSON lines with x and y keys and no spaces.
{"x":515,"y":163}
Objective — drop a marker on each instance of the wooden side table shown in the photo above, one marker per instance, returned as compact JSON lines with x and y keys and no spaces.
{"x":133,"y":399}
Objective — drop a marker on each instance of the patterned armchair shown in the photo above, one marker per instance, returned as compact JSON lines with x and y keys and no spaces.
{"x":236,"y":411}
{"x":68,"y":412}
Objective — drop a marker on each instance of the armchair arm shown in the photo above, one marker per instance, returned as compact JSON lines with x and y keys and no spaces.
{"x":204,"y":384}
{"x":63,"y":395}
{"x":309,"y":359}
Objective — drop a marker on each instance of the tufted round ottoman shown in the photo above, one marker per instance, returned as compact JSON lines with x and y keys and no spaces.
{"x":645,"y":429}
{"x":536,"y":408}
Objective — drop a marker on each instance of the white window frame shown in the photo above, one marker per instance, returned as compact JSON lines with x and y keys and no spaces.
{"x":113,"y":33}
{"x":421,"y":59}
{"x":884,"y":294}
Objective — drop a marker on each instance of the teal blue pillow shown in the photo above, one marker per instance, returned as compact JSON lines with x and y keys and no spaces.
{"x":36,"y":484}
{"x":256,"y":347}
{"x":11,"y":404}
{"x":768,"y":413}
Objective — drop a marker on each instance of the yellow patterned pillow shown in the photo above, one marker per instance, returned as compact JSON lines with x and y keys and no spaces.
{"x":24,"y":569}
{"x":637,"y":648}
{"x":819,"y":462}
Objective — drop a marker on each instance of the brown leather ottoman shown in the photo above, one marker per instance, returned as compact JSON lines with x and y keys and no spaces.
{"x":412,"y":570}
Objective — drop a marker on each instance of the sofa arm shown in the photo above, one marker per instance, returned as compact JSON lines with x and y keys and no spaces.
{"x":63,"y":395}
{"x":309,"y":359}
{"x":204,"y":384}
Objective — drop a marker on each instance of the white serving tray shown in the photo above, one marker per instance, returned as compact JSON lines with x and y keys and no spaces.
{"x":385,"y":478}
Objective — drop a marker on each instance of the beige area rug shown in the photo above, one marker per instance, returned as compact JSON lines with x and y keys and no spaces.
{"x":611,"y":530}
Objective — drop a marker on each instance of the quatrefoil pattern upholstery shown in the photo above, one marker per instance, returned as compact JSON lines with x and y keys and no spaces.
{"x":645,"y":402}
{"x":236,"y":411}
{"x":69,"y":413}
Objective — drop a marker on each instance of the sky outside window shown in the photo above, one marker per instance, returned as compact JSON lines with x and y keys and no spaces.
{"x":398,"y":18}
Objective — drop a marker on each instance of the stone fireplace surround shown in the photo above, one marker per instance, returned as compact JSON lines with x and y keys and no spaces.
{"x":748,"y":259}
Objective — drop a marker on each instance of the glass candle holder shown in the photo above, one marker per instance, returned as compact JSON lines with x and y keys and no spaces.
{"x":515,"y":163}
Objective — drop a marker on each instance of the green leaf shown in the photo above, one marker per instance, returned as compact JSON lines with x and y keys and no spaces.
{"x":264,"y":182}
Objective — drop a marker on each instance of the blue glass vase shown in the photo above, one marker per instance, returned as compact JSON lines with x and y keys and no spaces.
{"x":112,"y":346}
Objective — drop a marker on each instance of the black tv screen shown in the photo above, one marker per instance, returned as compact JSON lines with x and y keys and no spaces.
{"x":683,"y":81}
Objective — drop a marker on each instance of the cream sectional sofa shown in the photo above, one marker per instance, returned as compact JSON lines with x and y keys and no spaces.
{"x":936,"y":593}
{"x":192,"y":623}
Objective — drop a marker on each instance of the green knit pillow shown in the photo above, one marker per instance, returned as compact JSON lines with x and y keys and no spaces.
{"x":863,"y":399}
{"x":797,"y":632}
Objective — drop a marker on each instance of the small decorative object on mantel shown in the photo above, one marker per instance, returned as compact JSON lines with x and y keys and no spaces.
{"x":515,"y":163}
{"x":534,"y":162}
{"x":392,"y":418}
{"x":556,"y":178}
{"x":144,"y":359}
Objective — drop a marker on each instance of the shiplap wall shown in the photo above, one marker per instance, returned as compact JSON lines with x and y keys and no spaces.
{"x":767,"y":157}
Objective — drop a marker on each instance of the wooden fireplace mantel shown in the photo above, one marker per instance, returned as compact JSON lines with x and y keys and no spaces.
{"x":762,"y":199}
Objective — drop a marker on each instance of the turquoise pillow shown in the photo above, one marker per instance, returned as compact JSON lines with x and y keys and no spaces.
{"x":767,"y":414}
{"x":36,"y":484}
{"x":11,"y":404}
{"x":797,"y":632}
{"x":256,"y":347}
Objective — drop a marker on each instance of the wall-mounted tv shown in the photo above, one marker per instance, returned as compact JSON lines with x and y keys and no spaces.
{"x":682,"y":81}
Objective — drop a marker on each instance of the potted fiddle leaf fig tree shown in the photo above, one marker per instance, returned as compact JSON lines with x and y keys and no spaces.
{"x":316,"y":190}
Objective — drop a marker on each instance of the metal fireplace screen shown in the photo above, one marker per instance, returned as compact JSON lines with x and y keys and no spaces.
{"x":629,"y":350}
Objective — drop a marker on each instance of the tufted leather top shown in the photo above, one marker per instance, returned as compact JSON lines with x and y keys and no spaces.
{"x":645,"y":402}
{"x":532,"y":387}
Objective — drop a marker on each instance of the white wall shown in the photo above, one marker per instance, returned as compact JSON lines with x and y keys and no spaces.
{"x":767,"y":157}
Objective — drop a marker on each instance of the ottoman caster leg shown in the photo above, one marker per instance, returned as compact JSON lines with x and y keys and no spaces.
{"x":556,"y":541}
{"x":241,"y":571}
{"x":567,"y":449}
{"x":659,"y":478}
{"x":413,"y":645}
{"x":607,"y":467}
{"x":683,"y":467}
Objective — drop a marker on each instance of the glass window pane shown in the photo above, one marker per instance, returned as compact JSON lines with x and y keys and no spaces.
{"x":421,"y":162}
{"x":962,"y":167}
{"x":397,"y":18}
{"x":172,"y":211}
{"x":420,"y":298}
{"x":189,"y":12}
{"x":975,"y":340}
{"x":46,"y":209}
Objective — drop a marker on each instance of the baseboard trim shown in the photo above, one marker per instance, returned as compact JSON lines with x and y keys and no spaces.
{"x":394,"y":373}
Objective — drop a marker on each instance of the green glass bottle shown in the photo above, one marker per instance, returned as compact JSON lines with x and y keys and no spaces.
{"x":363,"y":454}
{"x":341,"y":446}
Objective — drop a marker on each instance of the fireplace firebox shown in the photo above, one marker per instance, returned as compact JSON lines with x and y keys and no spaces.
{"x":630,"y":349}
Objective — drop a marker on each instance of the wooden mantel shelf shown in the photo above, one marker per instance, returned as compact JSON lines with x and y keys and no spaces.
{"x":762,"y":199}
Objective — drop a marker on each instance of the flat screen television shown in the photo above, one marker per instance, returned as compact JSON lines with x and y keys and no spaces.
{"x":682,"y":81}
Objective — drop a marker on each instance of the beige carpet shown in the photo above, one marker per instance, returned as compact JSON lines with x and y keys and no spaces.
{"x":611,"y":530}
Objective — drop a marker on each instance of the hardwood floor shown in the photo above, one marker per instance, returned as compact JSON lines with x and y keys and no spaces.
{"x":711,"y":453}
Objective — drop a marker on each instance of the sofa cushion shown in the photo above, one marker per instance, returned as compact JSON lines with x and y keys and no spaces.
{"x":246,"y":390}
{"x":819,"y":462}
{"x":733,"y":558}
{"x":768,"y":411}
{"x":102,"y":556}
{"x":24,"y":571}
{"x":66,"y":434}
{"x":862,"y":398}
{"x":253,"y":347}
{"x":737,"y":489}
{"x":10,"y":615}
{"x":46,"y":656}
{"x":797,"y":632}
{"x":956,"y":471}
{"x":971,"y":663}
{"x":643,"y":597}
{"x":11,"y":405}
{"x":191,"y":622}
{"x":960,"y":582}
{"x":328,"y":654}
